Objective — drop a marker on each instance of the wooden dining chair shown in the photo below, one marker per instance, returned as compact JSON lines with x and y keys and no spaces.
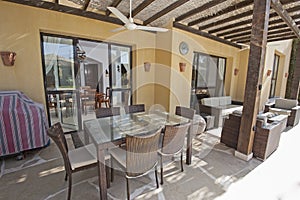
{"x":107,"y":112}
{"x":139,"y":158}
{"x":172,"y":144}
{"x":134,"y":108}
{"x":74,"y":160}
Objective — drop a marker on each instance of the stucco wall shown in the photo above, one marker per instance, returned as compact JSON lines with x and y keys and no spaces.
{"x":20,"y":32}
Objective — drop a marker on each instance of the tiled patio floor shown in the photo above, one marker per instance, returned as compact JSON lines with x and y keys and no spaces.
{"x":214,"y":174}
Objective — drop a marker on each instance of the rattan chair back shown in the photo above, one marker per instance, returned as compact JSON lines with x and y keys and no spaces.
{"x":107,"y":112}
{"x":134,"y":108}
{"x":185,"y":112}
{"x":141,"y":153}
{"x":173,"y":139}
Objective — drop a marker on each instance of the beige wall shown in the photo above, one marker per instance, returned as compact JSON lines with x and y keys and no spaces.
{"x":181,"y":81}
{"x":20,"y":32}
{"x":283,"y":49}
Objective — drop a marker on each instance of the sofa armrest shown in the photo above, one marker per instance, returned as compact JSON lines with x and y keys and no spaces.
{"x":294,"y":117}
{"x":268,"y":106}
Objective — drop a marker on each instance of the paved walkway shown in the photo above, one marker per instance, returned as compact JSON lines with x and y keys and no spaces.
{"x":276,"y":178}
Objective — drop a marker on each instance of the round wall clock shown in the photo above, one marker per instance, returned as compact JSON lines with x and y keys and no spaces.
{"x":183,"y":48}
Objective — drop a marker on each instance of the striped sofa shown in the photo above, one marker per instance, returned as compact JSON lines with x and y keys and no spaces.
{"x":23,"y":123}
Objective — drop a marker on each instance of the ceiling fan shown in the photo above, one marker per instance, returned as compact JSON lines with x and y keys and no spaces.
{"x":129,"y":23}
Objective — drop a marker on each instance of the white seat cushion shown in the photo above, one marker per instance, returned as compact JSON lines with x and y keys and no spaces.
{"x":280,"y":111}
{"x":83,"y":156}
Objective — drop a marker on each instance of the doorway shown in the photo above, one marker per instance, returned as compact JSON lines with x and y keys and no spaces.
{"x":73,"y":65}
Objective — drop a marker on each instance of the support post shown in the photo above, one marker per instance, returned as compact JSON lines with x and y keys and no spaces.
{"x":256,"y":62}
{"x":294,"y":93}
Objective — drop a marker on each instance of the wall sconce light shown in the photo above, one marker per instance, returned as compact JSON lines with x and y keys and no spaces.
{"x":147,"y":66}
{"x":182,"y":67}
{"x":269,"y":72}
{"x":236,"y":71}
{"x":8,"y":57}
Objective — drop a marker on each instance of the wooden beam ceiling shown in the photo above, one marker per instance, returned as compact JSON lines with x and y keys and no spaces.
{"x":226,"y":20}
{"x":115,"y":3}
{"x":233,"y":28}
{"x":277,"y":6}
{"x":198,"y":10}
{"x":86,"y":4}
{"x":141,"y":7}
{"x":204,"y":34}
{"x":165,"y":11}
{"x":65,"y":9}
{"x":225,"y":11}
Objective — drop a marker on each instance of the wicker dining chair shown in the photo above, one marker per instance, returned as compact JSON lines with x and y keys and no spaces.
{"x":134,"y":108}
{"x":74,"y":160}
{"x":172,"y":144}
{"x":139,"y":158}
{"x":107,"y":112}
{"x":185,"y":112}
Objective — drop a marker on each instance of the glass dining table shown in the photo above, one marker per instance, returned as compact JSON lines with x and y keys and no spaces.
{"x":110,"y":132}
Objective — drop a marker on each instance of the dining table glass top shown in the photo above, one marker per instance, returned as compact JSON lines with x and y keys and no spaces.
{"x":110,"y":129}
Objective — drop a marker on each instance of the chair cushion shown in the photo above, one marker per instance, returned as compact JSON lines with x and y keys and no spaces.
{"x":285,"y":103}
{"x":83,"y":156}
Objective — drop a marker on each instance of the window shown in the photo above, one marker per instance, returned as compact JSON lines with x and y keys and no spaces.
{"x":208,"y":75}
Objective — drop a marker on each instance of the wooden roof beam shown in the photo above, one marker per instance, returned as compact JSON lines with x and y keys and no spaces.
{"x":273,"y":34}
{"x":241,"y":23}
{"x":141,"y":7}
{"x":204,"y":34}
{"x":236,"y":7}
{"x":241,"y":36}
{"x":165,"y":11}
{"x":199,"y":9}
{"x":277,"y":6}
{"x":65,"y":9}
{"x":115,"y":3}
{"x":244,"y":14}
{"x":222,"y":12}
{"x":226,"y":20}
{"x":283,"y":38}
{"x":86,"y":4}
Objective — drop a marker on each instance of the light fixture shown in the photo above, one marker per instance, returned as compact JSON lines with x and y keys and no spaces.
{"x":8,"y":57}
{"x":236,"y":71}
{"x":80,"y":53}
{"x":147,"y":66}
{"x":182,"y":67}
{"x":269,"y":72}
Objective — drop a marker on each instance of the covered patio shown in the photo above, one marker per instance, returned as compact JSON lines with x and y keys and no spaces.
{"x":160,"y":65}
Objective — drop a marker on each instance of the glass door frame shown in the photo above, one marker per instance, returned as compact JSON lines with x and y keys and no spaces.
{"x":112,"y":89}
{"x":76,"y":83}
{"x":75,"y":41}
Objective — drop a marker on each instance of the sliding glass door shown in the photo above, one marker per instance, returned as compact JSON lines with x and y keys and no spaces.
{"x":120,"y":75}
{"x":76,"y":71}
{"x":60,"y":73}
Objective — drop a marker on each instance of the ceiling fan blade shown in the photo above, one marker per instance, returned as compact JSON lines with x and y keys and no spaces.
{"x":118,"y":14}
{"x":118,"y":29}
{"x":150,"y":28}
